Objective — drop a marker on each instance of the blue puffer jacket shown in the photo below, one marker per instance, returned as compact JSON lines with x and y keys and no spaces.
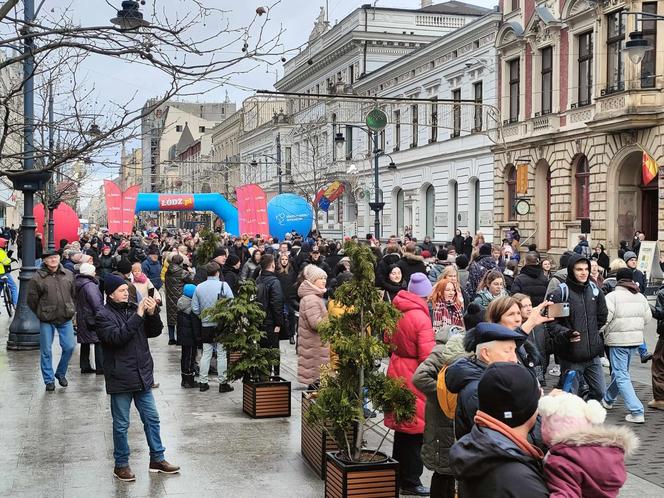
{"x":128,"y":364}
{"x":462,"y":377}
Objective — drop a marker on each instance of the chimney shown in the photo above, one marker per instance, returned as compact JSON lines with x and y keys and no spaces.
{"x":427,"y":3}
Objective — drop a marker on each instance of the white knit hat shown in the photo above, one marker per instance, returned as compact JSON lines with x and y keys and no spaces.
{"x":87,"y":269}
{"x":313,"y":273}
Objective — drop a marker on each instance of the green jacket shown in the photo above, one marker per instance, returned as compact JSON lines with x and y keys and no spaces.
{"x":52,"y":296}
{"x":438,"y":429}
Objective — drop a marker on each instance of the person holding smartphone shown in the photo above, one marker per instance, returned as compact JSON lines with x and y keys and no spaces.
{"x":576,"y":338}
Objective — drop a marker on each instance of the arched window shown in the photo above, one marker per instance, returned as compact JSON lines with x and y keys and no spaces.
{"x":510,"y":191}
{"x":430,"y":208}
{"x":582,"y":184}
{"x":400,"y":212}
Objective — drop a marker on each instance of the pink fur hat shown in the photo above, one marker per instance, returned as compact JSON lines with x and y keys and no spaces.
{"x":564,"y":413}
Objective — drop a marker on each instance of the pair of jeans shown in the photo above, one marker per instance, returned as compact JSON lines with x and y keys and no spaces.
{"x":67,"y":344}
{"x":120,"y":408}
{"x":593,"y":374}
{"x":406,"y":450}
{"x":188,"y":360}
{"x":621,"y":383}
{"x":85,"y":357}
{"x":206,"y":358}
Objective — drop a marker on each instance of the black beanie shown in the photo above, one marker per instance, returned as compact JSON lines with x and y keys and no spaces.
{"x":112,"y":282}
{"x":124,"y":266}
{"x":509,"y":393}
{"x":625,"y":274}
{"x":485,"y":249}
{"x":232,"y":260}
{"x":474,"y":315}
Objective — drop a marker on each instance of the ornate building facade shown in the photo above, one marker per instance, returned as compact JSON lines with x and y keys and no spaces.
{"x":577,"y":116}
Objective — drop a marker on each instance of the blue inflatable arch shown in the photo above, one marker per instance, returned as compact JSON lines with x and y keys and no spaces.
{"x":216,"y":203}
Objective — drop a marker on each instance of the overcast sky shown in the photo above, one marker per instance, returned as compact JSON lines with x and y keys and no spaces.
{"x":117,"y":81}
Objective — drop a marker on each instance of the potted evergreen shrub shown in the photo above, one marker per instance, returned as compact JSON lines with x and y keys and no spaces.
{"x":241,"y":318}
{"x":356,"y":336}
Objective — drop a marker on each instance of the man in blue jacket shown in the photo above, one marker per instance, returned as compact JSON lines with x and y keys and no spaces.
{"x":123,"y":328}
{"x":151,"y":267}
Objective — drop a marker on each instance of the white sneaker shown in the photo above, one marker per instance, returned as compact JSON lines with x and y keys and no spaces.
{"x":635,"y":419}
{"x":606,"y":405}
{"x":605,"y":362}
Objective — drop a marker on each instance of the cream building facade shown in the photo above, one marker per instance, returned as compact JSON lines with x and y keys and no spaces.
{"x":577,"y":116}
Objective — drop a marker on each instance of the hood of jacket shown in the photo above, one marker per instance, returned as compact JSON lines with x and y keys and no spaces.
{"x":82,"y":280}
{"x":412,"y":259}
{"x":571,"y":280}
{"x":308,"y":289}
{"x":601,"y":435}
{"x":462,"y":372}
{"x":532,"y":271}
{"x":484,"y":449}
{"x":628,"y":285}
{"x":407,"y":301}
{"x":391,"y":259}
{"x":184,"y":304}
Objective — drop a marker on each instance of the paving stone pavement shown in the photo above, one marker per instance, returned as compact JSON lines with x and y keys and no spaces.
{"x":60,"y":444}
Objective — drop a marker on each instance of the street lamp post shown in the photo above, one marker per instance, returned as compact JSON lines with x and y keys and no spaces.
{"x":51,"y":184}
{"x":376,"y":206}
{"x":24,"y":329}
{"x":278,"y":158}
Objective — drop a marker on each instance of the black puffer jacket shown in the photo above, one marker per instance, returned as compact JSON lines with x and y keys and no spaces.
{"x":488,"y":463}
{"x":588,"y":314}
{"x":288,"y":281}
{"x":531,"y":282}
{"x":128,"y":364}
{"x":658,"y":310}
{"x":271,"y":297}
{"x":462,"y":377}
{"x":410,"y":264}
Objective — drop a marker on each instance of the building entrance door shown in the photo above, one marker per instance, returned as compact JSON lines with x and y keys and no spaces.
{"x":649,"y":210}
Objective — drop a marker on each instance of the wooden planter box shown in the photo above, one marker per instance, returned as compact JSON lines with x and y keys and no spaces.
{"x":314,"y":441}
{"x":267,"y":399}
{"x":233,"y":357}
{"x":377,"y":480}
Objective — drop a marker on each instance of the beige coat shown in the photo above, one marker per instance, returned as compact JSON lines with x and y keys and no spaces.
{"x":311,"y":352}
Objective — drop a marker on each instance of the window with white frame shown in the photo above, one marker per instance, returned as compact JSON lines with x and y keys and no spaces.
{"x":615,"y":62}
{"x":514,"y":89}
{"x":585,"y":68}
{"x":546,"y":80}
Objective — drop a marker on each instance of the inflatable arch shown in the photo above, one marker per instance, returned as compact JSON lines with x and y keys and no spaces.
{"x":216,"y":203}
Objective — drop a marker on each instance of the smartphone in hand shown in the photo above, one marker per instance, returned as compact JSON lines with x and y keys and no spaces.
{"x":151,"y":292}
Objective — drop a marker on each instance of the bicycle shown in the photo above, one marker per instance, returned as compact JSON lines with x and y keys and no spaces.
{"x":7,"y":296}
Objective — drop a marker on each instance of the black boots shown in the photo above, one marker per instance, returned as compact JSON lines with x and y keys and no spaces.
{"x":188,"y":381}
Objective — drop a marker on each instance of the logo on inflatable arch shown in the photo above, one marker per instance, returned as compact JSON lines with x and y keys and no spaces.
{"x":176,"y":202}
{"x":287,"y":212}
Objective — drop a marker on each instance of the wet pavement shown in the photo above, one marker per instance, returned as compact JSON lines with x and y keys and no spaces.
{"x":60,"y":444}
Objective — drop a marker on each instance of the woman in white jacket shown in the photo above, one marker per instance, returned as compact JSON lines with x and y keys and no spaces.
{"x":629,"y":313}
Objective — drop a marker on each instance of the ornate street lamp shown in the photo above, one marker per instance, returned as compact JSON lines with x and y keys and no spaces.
{"x":130,"y":17}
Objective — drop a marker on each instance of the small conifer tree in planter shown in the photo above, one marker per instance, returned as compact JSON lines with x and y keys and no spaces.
{"x":356,"y":338}
{"x":240,"y":322}
{"x":205,"y":248}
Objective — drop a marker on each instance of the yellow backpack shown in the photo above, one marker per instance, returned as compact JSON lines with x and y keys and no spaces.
{"x":446,"y":399}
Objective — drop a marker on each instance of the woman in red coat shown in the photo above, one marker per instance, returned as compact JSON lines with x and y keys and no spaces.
{"x":413,"y":340}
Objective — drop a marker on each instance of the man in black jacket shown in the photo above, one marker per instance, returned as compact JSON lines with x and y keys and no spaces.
{"x":271,"y":297}
{"x":531,"y":281}
{"x":576,"y":338}
{"x":496,"y":459}
{"x":123,"y":328}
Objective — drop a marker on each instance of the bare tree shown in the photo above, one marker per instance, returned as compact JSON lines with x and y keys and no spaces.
{"x":191,"y":50}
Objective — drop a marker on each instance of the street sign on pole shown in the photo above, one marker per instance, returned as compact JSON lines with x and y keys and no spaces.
{"x":376,"y":120}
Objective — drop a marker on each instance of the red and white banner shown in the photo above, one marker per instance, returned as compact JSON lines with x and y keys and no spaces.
{"x":252,"y":209}
{"x":176,"y":202}
{"x":120,"y":207}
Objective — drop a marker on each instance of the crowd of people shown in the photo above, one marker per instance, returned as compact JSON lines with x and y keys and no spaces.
{"x":480,"y":323}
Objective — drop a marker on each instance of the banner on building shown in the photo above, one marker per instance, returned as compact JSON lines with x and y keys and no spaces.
{"x":120,"y":207}
{"x":327,"y":196}
{"x":522,"y":178}
{"x":252,"y":209}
